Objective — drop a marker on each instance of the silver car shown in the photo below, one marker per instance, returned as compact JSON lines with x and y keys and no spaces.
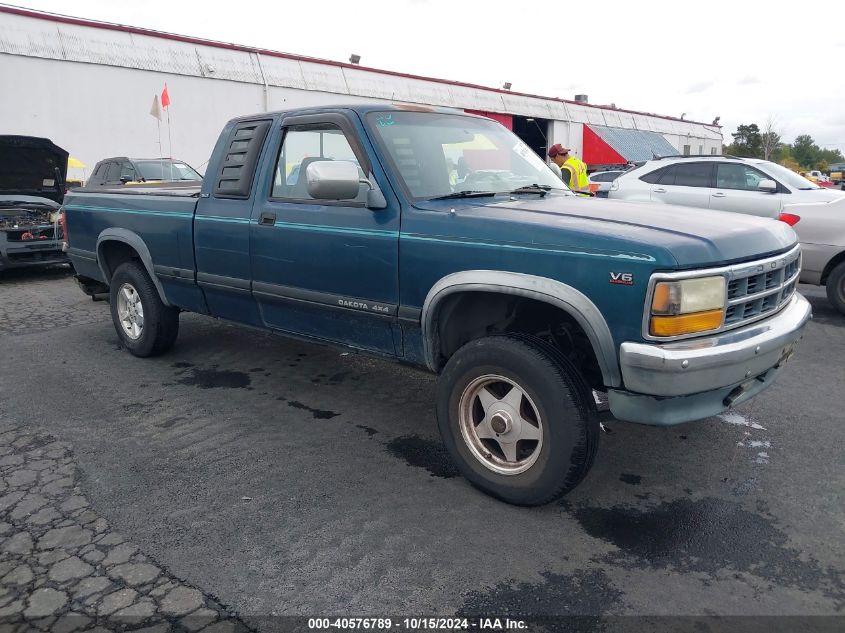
{"x":604,"y":179}
{"x":723,"y":183}
{"x":821,"y":229}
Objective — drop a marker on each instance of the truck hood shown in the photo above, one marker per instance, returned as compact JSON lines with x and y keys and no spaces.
{"x":28,"y":166}
{"x":679,"y":236}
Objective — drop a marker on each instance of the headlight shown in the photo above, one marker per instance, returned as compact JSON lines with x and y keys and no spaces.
{"x":687,"y":306}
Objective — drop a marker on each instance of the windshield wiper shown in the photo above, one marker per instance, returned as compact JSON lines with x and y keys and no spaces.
{"x":465,"y":194}
{"x":535,"y":188}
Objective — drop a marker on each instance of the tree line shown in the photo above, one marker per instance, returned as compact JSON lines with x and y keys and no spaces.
{"x":802,"y":154}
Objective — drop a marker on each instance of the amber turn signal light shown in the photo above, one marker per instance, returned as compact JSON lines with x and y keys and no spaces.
{"x":686,"y":323}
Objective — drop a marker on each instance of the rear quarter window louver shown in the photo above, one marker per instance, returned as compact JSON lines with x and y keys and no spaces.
{"x":241,"y":152}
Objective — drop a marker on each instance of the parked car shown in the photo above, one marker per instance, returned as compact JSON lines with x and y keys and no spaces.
{"x":836,"y":174}
{"x":814,"y":175}
{"x":524,"y":298}
{"x":122,"y":170}
{"x":723,"y":183}
{"x":604,"y":179}
{"x":821,"y":229}
{"x":32,"y":185}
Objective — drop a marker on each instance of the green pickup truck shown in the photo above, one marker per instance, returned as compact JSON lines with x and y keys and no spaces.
{"x":350,"y":226}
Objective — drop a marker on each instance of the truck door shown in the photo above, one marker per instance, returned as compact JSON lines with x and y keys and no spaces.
{"x":320,"y":268}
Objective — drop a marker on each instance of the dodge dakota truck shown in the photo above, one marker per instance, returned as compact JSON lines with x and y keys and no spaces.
{"x":32,"y":180}
{"x":440,"y":239}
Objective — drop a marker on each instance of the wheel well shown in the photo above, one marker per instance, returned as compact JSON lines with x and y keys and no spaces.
{"x":833,"y":263}
{"x":114,"y":253}
{"x":465,"y":316}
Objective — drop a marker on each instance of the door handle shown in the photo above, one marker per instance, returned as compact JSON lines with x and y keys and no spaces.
{"x":267,"y":218}
{"x":659,"y":190}
{"x":719,"y":194}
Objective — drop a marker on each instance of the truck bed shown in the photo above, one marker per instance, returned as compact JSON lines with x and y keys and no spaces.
{"x":156,"y":220}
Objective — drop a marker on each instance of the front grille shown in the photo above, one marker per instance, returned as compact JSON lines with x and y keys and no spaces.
{"x":760,"y":288}
{"x":755,"y":290}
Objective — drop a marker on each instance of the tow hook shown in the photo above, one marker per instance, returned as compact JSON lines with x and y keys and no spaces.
{"x":734,"y":395}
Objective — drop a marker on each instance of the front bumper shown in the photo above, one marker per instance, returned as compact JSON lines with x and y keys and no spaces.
{"x":19,"y":256}
{"x":692,"y":379}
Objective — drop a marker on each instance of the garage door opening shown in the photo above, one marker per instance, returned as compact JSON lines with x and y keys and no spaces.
{"x":533,"y":133}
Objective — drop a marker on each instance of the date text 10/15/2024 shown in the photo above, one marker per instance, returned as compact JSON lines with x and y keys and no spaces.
{"x":417,"y":624}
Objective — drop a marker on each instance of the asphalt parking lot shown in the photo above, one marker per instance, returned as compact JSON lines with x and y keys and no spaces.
{"x":257,"y":476}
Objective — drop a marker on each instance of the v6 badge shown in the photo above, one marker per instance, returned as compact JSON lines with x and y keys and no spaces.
{"x":623,"y":279}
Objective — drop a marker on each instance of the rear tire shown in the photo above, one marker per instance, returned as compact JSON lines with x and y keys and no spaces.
{"x":517,"y":418}
{"x":145,"y":325}
{"x":835,"y":287}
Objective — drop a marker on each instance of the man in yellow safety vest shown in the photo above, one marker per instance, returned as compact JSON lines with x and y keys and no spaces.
{"x":577,"y":169}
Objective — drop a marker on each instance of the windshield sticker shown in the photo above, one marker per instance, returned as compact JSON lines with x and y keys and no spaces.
{"x":385,"y":120}
{"x":180,"y":165}
{"x":48,"y":182}
{"x":530,"y":157}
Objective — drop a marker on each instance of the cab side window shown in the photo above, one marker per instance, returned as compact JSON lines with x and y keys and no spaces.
{"x":307,"y":144}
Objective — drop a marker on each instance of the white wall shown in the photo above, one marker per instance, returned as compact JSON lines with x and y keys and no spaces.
{"x":698,"y":145}
{"x":569,"y":134}
{"x":90,"y":90}
{"x":96,"y":111}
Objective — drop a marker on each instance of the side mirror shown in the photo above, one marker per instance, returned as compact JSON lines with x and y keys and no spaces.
{"x":332,"y":180}
{"x":339,"y":180}
{"x":767,"y":186}
{"x":125,"y":178}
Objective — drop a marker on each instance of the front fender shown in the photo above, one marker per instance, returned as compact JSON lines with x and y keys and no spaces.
{"x":558,"y":294}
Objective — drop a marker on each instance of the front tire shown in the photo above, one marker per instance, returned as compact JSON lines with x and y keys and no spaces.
{"x":145,"y":325}
{"x":835,"y":287}
{"x":517,"y":418}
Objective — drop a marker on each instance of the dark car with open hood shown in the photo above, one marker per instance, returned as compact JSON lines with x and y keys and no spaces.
{"x":32,"y":186}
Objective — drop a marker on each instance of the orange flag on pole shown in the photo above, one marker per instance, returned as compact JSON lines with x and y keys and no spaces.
{"x":165,"y":97}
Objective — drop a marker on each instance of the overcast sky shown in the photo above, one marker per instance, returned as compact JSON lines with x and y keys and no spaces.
{"x":743,"y":60}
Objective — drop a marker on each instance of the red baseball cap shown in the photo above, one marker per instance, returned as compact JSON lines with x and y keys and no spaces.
{"x":556,"y":149}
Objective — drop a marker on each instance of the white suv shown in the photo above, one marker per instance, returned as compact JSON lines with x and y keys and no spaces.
{"x":724,"y":183}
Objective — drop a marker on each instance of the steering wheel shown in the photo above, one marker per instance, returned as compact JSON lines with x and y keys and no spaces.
{"x":475,"y":178}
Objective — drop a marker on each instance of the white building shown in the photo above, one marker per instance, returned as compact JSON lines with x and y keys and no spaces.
{"x":88,"y":86}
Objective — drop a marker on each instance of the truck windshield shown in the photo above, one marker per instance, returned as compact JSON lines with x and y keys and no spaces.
{"x":438,"y":154}
{"x":166,"y":170}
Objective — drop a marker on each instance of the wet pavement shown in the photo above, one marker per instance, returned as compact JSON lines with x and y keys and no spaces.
{"x":281,"y":478}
